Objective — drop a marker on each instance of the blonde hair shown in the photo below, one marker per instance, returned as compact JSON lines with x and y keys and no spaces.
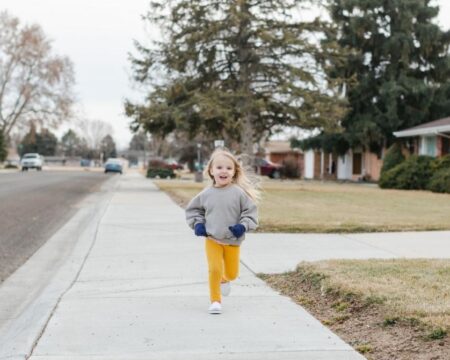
{"x":250,"y":184}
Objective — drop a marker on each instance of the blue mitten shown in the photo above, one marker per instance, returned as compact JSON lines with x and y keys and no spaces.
{"x":200,"y":229}
{"x":238,"y":230}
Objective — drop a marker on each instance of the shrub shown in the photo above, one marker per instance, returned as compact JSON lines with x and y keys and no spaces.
{"x":393,"y":157}
{"x":11,"y":166}
{"x":160,"y":172}
{"x":440,"y":181}
{"x":441,"y":163}
{"x":388,"y":179}
{"x":413,"y":173}
{"x":437,"y":334}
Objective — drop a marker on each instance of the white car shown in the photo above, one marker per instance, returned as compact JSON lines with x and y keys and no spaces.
{"x":32,"y":161}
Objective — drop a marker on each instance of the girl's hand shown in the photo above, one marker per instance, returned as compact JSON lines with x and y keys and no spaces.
{"x":238,"y":230}
{"x":200,"y":229}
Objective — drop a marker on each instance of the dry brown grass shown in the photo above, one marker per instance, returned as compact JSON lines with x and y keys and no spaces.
{"x":298,"y":206}
{"x":408,"y":288}
{"x":386,"y":309}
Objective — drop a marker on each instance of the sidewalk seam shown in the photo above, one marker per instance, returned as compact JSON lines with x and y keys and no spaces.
{"x":36,"y":342}
{"x":248,"y":267}
{"x":371,"y":245}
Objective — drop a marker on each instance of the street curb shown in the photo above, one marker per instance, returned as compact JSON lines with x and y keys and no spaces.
{"x":34,"y":290}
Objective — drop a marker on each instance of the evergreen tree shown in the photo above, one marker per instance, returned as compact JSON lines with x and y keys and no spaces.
{"x":28,"y":143}
{"x":43,"y":143}
{"x":139,"y":142}
{"x":401,"y":65}
{"x":71,"y":144}
{"x":46,"y":143}
{"x":233,"y":69}
{"x":108,"y":147}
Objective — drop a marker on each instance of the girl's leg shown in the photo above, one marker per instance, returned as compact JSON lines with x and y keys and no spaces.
{"x":231,"y":262}
{"x":214,"y":255}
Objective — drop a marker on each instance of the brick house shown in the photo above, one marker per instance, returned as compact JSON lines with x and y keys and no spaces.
{"x":432,"y":138}
{"x":355,"y":165}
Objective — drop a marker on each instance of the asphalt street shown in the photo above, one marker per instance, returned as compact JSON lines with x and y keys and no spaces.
{"x":33,"y":206}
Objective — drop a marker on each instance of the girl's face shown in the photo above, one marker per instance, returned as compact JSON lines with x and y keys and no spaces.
{"x":222,"y":169}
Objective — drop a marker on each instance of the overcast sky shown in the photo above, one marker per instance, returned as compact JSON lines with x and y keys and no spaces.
{"x":97,"y":36}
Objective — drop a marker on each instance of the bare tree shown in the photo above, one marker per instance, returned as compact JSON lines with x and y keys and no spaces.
{"x":94,"y":131}
{"x":35,"y":84}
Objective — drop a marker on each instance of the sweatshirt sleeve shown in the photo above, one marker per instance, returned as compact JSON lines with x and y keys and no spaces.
{"x":249,"y":213}
{"x":195,"y":212}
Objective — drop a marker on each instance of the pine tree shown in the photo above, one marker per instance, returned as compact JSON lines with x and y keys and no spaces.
{"x":108,"y":147}
{"x":400,"y":62}
{"x":71,"y":144}
{"x":43,"y":143}
{"x":234,"y":69}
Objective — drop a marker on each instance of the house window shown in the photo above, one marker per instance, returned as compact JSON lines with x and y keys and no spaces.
{"x":357,"y":163}
{"x":429,"y":145}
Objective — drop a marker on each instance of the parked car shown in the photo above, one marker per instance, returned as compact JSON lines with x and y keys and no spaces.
{"x":164,"y":164}
{"x":268,"y":168}
{"x":32,"y":161}
{"x":85,"y":162}
{"x":113,"y":165}
{"x":173,"y":164}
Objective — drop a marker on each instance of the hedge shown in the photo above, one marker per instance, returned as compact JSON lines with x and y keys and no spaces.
{"x":393,"y":157}
{"x":441,"y":163}
{"x":440,"y":181}
{"x":162,"y":173}
{"x":413,"y":173}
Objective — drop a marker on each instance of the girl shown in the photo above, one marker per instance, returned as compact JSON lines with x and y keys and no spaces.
{"x":223,"y":213}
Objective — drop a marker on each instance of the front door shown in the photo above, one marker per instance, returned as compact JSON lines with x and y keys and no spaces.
{"x":357,"y":163}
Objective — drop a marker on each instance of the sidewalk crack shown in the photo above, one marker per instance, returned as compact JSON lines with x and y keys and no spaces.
{"x":41,"y":333}
{"x":371,"y":245}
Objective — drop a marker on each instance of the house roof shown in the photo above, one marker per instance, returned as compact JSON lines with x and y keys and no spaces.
{"x":278,"y":146}
{"x":429,"y":128}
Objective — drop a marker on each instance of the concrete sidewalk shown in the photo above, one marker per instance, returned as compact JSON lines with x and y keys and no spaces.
{"x":277,"y":253}
{"x":135,"y":287}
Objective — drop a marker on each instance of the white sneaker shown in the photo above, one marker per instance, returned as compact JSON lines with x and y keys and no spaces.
{"x":215,"y":308}
{"x":225,"y":288}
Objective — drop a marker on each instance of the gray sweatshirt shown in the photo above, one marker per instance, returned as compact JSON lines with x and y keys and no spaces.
{"x":219,"y":208}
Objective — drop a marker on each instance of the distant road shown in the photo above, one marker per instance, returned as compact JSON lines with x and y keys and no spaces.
{"x":33,"y":206}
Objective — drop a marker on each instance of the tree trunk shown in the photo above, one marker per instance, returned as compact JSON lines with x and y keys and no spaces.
{"x":247,"y":136}
{"x":3,"y":146}
{"x":247,"y":132}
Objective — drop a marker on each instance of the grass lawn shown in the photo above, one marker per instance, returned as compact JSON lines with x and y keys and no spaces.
{"x":299,"y":206}
{"x":384,"y":308}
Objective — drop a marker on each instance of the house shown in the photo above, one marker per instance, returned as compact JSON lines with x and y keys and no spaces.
{"x":279,"y":152}
{"x":355,"y":165}
{"x":432,"y":138}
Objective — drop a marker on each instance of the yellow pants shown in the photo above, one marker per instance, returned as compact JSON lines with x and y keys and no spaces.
{"x":223,"y":265}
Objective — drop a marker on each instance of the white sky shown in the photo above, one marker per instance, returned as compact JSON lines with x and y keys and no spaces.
{"x":97,"y":35}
